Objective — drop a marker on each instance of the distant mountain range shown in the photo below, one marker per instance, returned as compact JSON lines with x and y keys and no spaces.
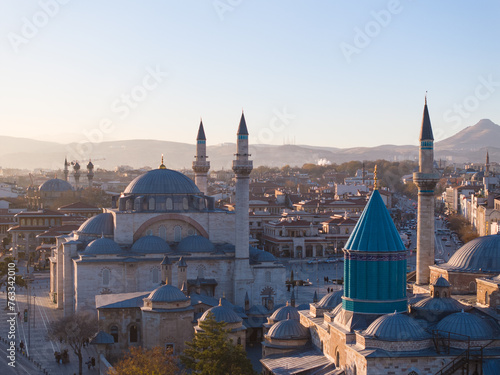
{"x":469,"y":144}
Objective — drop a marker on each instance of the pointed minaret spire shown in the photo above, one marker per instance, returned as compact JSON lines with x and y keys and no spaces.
{"x":375,"y":179}
{"x":242,"y":129}
{"x":487,"y":166}
{"x":162,"y":166}
{"x":426,"y":181}
{"x":201,"y":166}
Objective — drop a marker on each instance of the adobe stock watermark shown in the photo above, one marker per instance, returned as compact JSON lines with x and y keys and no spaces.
{"x":485,"y":88}
{"x":122,"y":107}
{"x":221,"y":7}
{"x":277,"y":124}
{"x":31,"y":26}
{"x":364,"y":36}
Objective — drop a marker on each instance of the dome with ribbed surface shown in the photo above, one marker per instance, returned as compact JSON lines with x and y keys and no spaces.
{"x":151,"y":245}
{"x":375,"y":230}
{"x":55,"y":184}
{"x":196,"y":244}
{"x":396,"y":327}
{"x":439,"y":305}
{"x":465,"y":324}
{"x":222,"y":314}
{"x":258,"y":255}
{"x":162,"y":181}
{"x":285,"y":312}
{"x":442,"y":282}
{"x":330,"y":300}
{"x":102,"y":246}
{"x":288,"y":329}
{"x":479,"y":255}
{"x":167,"y":293}
{"x":102,"y":224}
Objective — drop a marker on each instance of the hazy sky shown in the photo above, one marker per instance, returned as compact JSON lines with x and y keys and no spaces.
{"x":326,"y":73}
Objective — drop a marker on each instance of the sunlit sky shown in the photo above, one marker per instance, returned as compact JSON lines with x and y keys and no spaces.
{"x":324,"y":73}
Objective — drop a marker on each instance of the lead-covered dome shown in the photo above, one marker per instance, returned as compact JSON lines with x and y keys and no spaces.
{"x":396,"y":327}
{"x":167,"y":293}
{"x":102,"y":224}
{"x":162,"y":181}
{"x":196,"y":244}
{"x":285,"y":312}
{"x":222,"y":314}
{"x":102,"y":246}
{"x":257,"y":255}
{"x":288,"y":329}
{"x":331,"y":300}
{"x":465,"y":324}
{"x":151,"y":245}
{"x":479,"y":255}
{"x":55,"y":184}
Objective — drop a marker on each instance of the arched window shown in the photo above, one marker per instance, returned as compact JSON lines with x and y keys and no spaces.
{"x":155,"y":276}
{"x":239,"y":341}
{"x":337,"y":357}
{"x":437,"y":294}
{"x":177,"y":234}
{"x":22,"y":221}
{"x":46,"y":222}
{"x":28,"y":222}
{"x":105,"y":276}
{"x":472,"y":286}
{"x":486,"y":299}
{"x":170,"y":205}
{"x":162,"y":232}
{"x":133,"y":333}
{"x":201,"y":271}
{"x":151,"y":204}
{"x":113,"y":331}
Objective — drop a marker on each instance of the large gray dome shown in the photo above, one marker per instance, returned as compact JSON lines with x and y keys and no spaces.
{"x":288,"y":330}
{"x":439,"y":305}
{"x":151,"y":245}
{"x":285,"y":312}
{"x":162,"y":181}
{"x":465,"y":324}
{"x":480,"y":255}
{"x":55,"y":184}
{"x":102,"y":246}
{"x":222,"y":314}
{"x":196,"y":244}
{"x":331,"y":300}
{"x":102,"y":224}
{"x":396,"y":327}
{"x":167,"y":293}
{"x":257,"y":255}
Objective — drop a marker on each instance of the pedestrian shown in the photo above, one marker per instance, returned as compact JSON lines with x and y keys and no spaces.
{"x":19,"y":315}
{"x":89,"y":363}
{"x":93,"y":362}
{"x":21,"y":345}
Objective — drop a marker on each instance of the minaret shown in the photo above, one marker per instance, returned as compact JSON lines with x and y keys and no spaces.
{"x":66,"y":171}
{"x":201,"y":165}
{"x":90,"y":174}
{"x":426,"y":181}
{"x":242,"y":167}
{"x":76,"y":174}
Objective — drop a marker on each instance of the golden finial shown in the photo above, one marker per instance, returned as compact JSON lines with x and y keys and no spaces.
{"x":162,"y":166}
{"x":375,"y":179}
{"x":220,"y":301}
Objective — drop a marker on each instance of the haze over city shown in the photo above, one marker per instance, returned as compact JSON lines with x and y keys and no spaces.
{"x":336,"y":74}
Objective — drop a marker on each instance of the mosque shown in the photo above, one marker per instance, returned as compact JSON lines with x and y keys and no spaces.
{"x":373,"y":326}
{"x":161,"y":218}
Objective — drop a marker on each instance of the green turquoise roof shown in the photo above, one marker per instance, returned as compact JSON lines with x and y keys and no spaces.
{"x":375,"y":230}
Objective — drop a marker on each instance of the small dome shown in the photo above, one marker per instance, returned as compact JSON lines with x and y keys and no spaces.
{"x":196,"y":244}
{"x":479,"y":255}
{"x":55,"y":184}
{"x":222,"y":314}
{"x":102,"y":224}
{"x":465,"y":324}
{"x":285,"y":312}
{"x":151,"y":245}
{"x":162,"y":181}
{"x":258,"y":255}
{"x":331,"y":300}
{"x":441,"y":282}
{"x":102,"y":246}
{"x":288,"y":330}
{"x":439,"y":305}
{"x":396,"y":327}
{"x":167,"y":293}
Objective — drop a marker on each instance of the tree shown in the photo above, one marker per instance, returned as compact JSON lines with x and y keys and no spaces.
{"x":212,"y":353}
{"x":9,"y":270}
{"x":74,"y":330}
{"x":155,"y":361}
